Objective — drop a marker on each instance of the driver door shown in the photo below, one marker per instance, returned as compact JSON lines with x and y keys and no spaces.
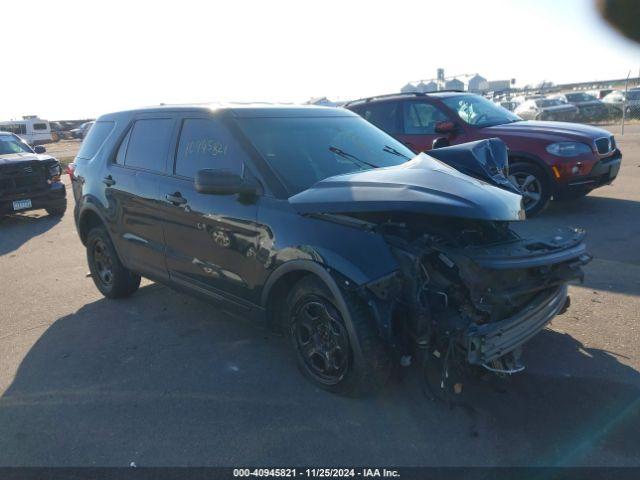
{"x":211,"y":240}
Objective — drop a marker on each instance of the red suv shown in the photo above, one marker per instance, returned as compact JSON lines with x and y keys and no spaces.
{"x":547,"y":159}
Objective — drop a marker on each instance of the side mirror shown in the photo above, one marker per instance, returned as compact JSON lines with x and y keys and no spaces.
{"x":223,"y":182}
{"x":445,"y":127}
{"x":39,"y":149}
{"x":440,"y":142}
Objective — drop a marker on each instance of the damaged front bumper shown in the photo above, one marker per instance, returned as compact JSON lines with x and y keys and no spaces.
{"x":488,"y":342}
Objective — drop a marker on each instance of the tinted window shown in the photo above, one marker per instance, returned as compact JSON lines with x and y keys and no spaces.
{"x":421,"y":118}
{"x":94,"y":140}
{"x":18,"y":129}
{"x":305,"y":150}
{"x":149,"y":143}
{"x":206,"y":143}
{"x":39,"y":126}
{"x":383,"y":115}
{"x":122,"y":150}
{"x":633,"y":95}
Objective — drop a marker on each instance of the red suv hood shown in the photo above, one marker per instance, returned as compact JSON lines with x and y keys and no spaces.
{"x":548,"y":131}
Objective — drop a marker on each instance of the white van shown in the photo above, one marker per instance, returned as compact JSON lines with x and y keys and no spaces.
{"x":32,"y":130}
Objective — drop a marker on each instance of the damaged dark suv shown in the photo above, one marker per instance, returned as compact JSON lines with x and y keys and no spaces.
{"x":362,"y":253}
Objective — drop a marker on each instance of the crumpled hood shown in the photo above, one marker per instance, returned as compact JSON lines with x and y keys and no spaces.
{"x":422,"y":185}
{"x":23,"y":157}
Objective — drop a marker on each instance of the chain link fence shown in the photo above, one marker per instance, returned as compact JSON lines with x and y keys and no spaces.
{"x":613,"y":104}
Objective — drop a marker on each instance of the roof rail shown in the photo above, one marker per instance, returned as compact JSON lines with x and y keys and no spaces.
{"x":399,"y":94}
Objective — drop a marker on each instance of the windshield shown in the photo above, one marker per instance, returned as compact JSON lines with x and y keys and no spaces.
{"x":478,"y":111}
{"x":633,"y":95}
{"x":303,"y":151}
{"x":10,"y":144}
{"x":549,"y":102}
{"x":579,"y":97}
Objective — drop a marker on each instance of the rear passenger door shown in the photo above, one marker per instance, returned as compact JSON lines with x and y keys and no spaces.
{"x":211,"y":240}
{"x":133,"y":183}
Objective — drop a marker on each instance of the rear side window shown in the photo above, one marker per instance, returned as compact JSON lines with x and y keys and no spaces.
{"x":39,"y":126}
{"x":149,"y":143}
{"x":383,"y":115}
{"x":206,"y":143}
{"x":94,"y":140}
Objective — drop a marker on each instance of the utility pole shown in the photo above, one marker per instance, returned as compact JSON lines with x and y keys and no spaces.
{"x":624,"y":103}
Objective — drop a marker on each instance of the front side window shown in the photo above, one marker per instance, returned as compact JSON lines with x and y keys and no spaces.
{"x":39,"y":126}
{"x":206,"y":143}
{"x":420,"y":118}
{"x":478,"y":111}
{"x":149,"y":144}
{"x":95,"y":139}
{"x":10,"y":144}
{"x":305,"y":150}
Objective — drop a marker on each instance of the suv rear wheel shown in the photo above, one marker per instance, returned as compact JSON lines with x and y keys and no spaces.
{"x":321,"y":342}
{"x":533,"y":183}
{"x":56,"y":211}
{"x":110,"y":276}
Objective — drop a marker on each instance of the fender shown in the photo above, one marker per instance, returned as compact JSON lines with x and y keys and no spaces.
{"x":326,"y":275}
{"x":537,"y":161}
{"x":88,"y":204}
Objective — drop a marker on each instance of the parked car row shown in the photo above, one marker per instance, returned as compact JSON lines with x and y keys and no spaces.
{"x":576,"y":106}
{"x":37,"y":131}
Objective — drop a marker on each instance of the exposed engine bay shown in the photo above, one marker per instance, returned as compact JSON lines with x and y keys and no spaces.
{"x":468,"y":291}
{"x":471,"y":292}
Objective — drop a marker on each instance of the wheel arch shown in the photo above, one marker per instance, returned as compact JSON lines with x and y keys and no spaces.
{"x":280,"y":282}
{"x":524,"y":157}
{"x":88,"y":219}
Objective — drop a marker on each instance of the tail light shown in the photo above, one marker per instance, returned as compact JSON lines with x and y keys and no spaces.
{"x":71,"y":167}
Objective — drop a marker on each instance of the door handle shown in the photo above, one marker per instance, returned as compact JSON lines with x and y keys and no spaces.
{"x":176,"y":198}
{"x":109,"y":181}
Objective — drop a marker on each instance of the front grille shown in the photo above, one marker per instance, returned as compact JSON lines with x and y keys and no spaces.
{"x":21,"y":178}
{"x":605,"y":145}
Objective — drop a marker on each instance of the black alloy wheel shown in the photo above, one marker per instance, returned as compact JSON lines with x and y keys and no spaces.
{"x":321,"y":340}
{"x":103,"y":263}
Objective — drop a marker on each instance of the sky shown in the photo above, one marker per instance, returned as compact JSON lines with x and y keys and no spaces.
{"x":78,"y":59}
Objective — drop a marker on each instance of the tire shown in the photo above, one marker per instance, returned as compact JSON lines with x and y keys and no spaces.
{"x":536,"y":184}
{"x":322,"y":345}
{"x":109,"y":275}
{"x":56,"y":211}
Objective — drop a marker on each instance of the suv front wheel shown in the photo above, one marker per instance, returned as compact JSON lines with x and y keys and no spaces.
{"x":320,"y":339}
{"x":110,"y":276}
{"x":534,"y":185}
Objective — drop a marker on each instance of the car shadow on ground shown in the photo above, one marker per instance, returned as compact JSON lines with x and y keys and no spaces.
{"x":613,"y":237}
{"x":164,"y":379}
{"x":16,"y":230}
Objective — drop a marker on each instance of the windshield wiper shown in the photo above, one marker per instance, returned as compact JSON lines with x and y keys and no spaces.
{"x":349,"y":156}
{"x":393,"y":151}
